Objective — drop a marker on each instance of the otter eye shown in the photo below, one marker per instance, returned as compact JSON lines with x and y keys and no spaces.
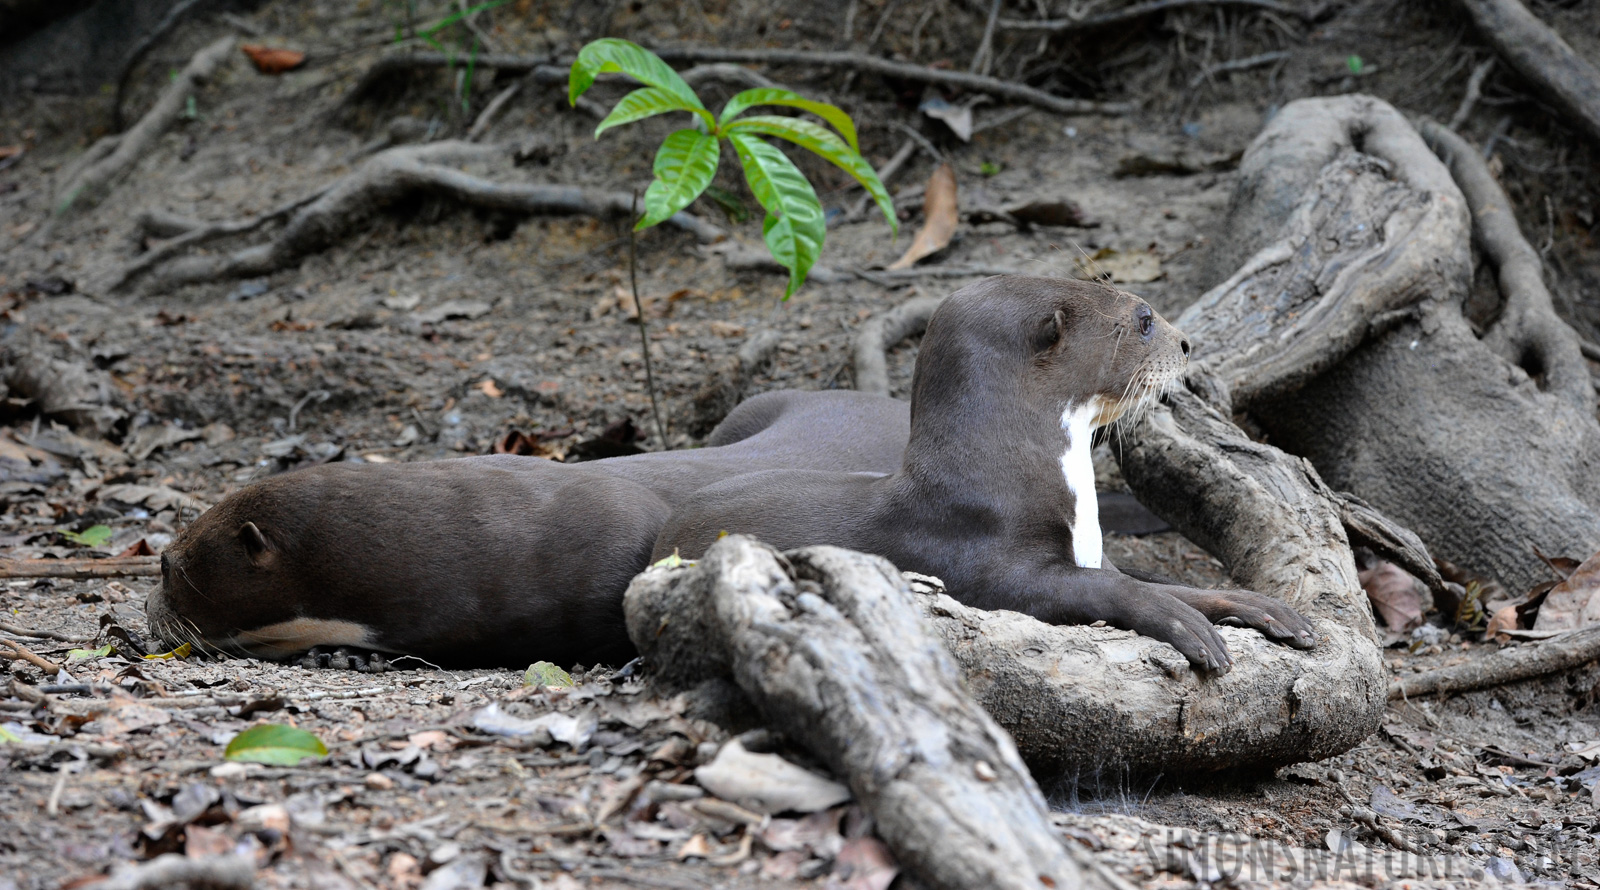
{"x":1147,"y":321}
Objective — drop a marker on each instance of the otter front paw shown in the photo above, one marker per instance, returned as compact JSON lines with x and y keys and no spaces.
{"x":343,"y":658}
{"x":1274,"y":618}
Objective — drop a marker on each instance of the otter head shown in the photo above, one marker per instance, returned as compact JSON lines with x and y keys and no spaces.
{"x":1052,"y":345}
{"x":229,"y":584}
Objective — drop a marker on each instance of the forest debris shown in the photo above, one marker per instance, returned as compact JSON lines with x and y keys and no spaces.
{"x":151,"y":438}
{"x":1140,"y":10}
{"x":1000,"y":89}
{"x":957,"y":117}
{"x":153,"y":497}
{"x":889,"y":688}
{"x":20,"y":652}
{"x":273,"y":60}
{"x":1178,"y":163}
{"x":230,"y":872}
{"x":731,"y":379}
{"x":115,"y":155}
{"x":1120,"y":266}
{"x":114,"y":567}
{"x":1575,"y":601}
{"x":940,"y":218}
{"x":767,"y":783}
{"x":865,"y":863}
{"x":70,"y":391}
{"x":467,"y":309}
{"x":1510,"y":665}
{"x":1562,"y":77}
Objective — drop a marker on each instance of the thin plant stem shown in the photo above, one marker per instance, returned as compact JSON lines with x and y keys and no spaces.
{"x":644,"y":326}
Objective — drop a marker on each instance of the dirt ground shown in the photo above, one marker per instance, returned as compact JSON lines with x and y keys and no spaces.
{"x":341,"y":358}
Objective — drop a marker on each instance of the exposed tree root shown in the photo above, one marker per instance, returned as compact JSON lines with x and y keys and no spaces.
{"x":1342,"y":333}
{"x":880,"y":333}
{"x":387,"y":177}
{"x":828,"y":645}
{"x":112,"y":157}
{"x":1562,"y":77}
{"x":1528,"y":332}
{"x":1524,"y":662}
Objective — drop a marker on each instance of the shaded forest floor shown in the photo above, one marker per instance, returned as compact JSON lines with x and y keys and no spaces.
{"x":435,"y":331}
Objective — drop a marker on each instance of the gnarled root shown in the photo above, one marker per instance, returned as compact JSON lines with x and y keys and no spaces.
{"x":829,"y":647}
{"x":386,"y":178}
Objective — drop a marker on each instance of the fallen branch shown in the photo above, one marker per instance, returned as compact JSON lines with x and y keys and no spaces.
{"x":95,"y":181}
{"x":110,"y":567}
{"x":20,"y":652}
{"x":1244,"y":64}
{"x":385,"y":178}
{"x":1003,"y":89}
{"x":1552,"y":656}
{"x":9,"y":628}
{"x":1561,"y":76}
{"x":827,"y":644}
{"x":1140,"y":10}
{"x":1473,"y":94}
{"x":1528,"y":332}
{"x":880,"y":333}
{"x":227,"y":872}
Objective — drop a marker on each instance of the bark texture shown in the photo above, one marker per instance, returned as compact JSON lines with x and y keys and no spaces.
{"x":1565,"y":79}
{"x":1342,"y":334}
{"x":829,"y":647}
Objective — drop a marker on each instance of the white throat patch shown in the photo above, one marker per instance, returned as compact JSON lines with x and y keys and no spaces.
{"x":1077,"y":467}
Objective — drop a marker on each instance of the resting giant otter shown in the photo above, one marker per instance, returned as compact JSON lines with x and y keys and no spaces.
{"x":500,"y":560}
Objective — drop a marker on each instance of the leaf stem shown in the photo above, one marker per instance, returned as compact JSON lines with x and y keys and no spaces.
{"x":644,"y":326}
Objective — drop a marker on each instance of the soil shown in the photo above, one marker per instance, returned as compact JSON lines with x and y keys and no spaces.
{"x":339,"y":359}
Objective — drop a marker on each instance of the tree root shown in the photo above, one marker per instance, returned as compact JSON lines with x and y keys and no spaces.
{"x":385,"y":178}
{"x":1552,"y":656}
{"x":1342,"y":334}
{"x":879,"y":334}
{"x":1528,"y":332}
{"x":1561,"y":76}
{"x":828,"y":646}
{"x":88,"y":183}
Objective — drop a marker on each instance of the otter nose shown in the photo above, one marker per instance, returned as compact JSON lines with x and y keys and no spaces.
{"x":1184,"y":345}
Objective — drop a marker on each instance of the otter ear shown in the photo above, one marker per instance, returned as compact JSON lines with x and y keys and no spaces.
{"x":255,"y":543}
{"x":1052,"y":332}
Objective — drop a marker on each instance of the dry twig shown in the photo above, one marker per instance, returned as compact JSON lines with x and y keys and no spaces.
{"x":20,"y":652}
{"x":1474,"y":92}
{"x":1564,"y":78}
{"x":10,"y":628}
{"x":110,"y":567}
{"x":1140,"y":10}
{"x":1552,"y":656}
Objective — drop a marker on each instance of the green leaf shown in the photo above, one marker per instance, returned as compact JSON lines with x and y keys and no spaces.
{"x":685,"y":164}
{"x":831,"y":148}
{"x":730,"y":204}
{"x":833,"y":114}
{"x":87,"y":654}
{"x":640,"y":104}
{"x":93,"y":536}
{"x":794,"y":228}
{"x":989,"y":168}
{"x":612,"y":54}
{"x":275,"y":744}
{"x":7,"y":736}
{"x":1355,"y":64}
{"x":543,"y":673}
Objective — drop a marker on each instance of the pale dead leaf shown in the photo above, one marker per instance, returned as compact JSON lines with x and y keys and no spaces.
{"x":767,"y":783}
{"x":488,"y":388}
{"x":1572,"y":603}
{"x":864,"y":864}
{"x":696,"y":846}
{"x":1503,"y":619}
{"x":940,"y":216}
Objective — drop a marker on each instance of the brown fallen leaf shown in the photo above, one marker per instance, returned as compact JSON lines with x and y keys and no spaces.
{"x":1572,"y":603}
{"x":940,"y":216}
{"x":864,"y":864}
{"x":272,"y":59}
{"x":488,"y":388}
{"x":10,"y":151}
{"x":1503,"y":619}
{"x":1395,"y":595}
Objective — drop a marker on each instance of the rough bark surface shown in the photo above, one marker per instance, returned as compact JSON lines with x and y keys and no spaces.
{"x":1342,"y":334}
{"x":829,"y":646}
